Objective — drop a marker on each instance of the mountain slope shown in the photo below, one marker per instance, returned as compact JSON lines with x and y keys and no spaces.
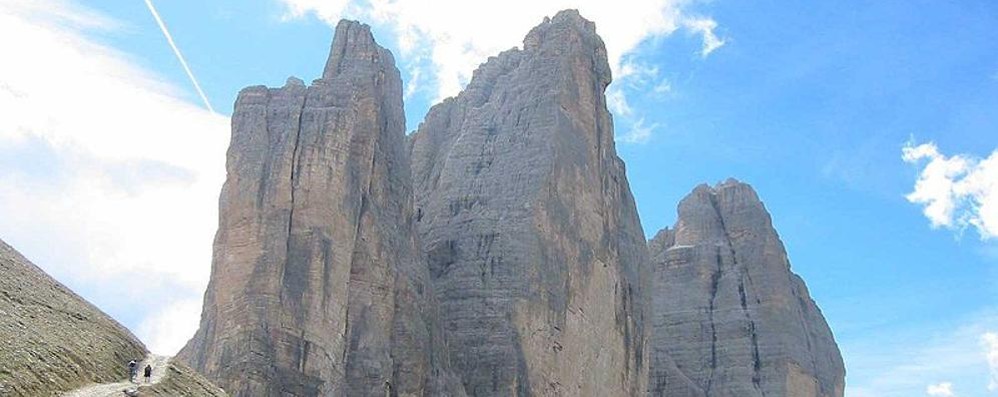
{"x":51,"y":340}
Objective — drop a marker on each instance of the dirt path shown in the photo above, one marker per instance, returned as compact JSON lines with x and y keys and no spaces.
{"x":159,"y":365}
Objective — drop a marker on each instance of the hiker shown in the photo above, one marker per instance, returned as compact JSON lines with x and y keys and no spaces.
{"x":132,"y":370}
{"x":148,"y":373}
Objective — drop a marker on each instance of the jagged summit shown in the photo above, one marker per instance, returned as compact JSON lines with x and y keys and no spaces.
{"x":497,"y":251}
{"x":569,"y":34}
{"x":550,"y":29}
{"x":354,"y":48}
{"x":730,"y":317}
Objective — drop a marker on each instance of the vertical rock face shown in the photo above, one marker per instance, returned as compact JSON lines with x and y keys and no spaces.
{"x":730,"y":318}
{"x":534,"y":243}
{"x":317,"y":284}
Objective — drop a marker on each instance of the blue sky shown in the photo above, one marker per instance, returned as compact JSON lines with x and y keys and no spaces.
{"x":811,"y":103}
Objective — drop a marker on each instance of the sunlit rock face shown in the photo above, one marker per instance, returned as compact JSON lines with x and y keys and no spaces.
{"x":729,"y":317}
{"x":524,"y":211}
{"x":318,"y":286}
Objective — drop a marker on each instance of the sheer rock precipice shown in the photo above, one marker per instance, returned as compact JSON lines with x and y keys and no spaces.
{"x":533,"y":239}
{"x":318,"y":286}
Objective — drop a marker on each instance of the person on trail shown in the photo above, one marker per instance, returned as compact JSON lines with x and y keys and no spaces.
{"x":132,"y":370}
{"x":148,"y":373}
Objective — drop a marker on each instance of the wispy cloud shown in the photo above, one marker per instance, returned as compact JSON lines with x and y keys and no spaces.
{"x":956,"y":191}
{"x":639,"y":132}
{"x":128,"y":186}
{"x":990,"y":342}
{"x":705,"y":26}
{"x":943,"y":389}
{"x":176,"y":51}
{"x":900,"y":366}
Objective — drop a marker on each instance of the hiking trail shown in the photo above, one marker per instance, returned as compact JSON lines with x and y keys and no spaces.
{"x":159,"y":368}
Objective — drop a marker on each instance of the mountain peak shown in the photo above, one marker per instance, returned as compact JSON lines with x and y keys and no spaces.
{"x":569,"y":34}
{"x":354,"y":47}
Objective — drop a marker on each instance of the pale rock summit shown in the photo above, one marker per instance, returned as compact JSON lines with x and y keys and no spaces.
{"x":727,"y":311}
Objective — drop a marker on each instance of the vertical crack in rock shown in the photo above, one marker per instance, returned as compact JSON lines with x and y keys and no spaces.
{"x":768,"y":338}
{"x":715,"y":279}
{"x":291,"y":191}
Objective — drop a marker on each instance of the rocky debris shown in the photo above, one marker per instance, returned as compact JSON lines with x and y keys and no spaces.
{"x":318,"y":286}
{"x":524,"y":211}
{"x":52,"y":340}
{"x":729,"y":317}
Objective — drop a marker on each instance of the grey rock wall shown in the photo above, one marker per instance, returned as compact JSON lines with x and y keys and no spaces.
{"x":318,"y":286}
{"x":533,"y":239}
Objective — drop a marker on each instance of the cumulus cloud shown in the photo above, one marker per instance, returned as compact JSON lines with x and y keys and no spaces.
{"x":990,"y":342}
{"x":455,"y":36}
{"x":118,"y":186}
{"x":944,"y":389}
{"x":958,"y":191}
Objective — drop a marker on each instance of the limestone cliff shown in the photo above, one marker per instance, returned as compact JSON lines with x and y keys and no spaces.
{"x":317,"y":283}
{"x":727,"y":311}
{"x":534,"y":243}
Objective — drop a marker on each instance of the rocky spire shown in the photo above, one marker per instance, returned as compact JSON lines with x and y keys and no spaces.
{"x":317,"y":284}
{"x":730,"y":317}
{"x":533,"y":239}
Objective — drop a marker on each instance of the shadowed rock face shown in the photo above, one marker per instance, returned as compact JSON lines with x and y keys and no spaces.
{"x":317,"y":284}
{"x":534,"y":243}
{"x":729,"y":317}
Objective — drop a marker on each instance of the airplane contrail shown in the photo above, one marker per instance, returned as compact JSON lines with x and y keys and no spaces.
{"x":180,"y":57}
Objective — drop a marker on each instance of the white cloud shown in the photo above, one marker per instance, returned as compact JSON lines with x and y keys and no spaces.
{"x":639,"y":132}
{"x":130,"y":173}
{"x":705,"y":26}
{"x":956,"y":191}
{"x":664,"y":87}
{"x":617,"y":102}
{"x":943,"y":389}
{"x":166,"y":331}
{"x":990,"y":342}
{"x":455,"y":36}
